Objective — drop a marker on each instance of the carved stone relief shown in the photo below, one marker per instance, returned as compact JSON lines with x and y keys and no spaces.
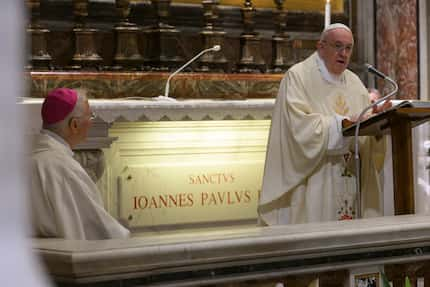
{"x":92,"y":161}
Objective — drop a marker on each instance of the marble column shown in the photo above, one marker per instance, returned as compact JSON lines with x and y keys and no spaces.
{"x":396,"y":42}
{"x":397,"y":55}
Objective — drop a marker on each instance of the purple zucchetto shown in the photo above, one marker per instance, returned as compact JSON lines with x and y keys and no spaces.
{"x":58,"y":104}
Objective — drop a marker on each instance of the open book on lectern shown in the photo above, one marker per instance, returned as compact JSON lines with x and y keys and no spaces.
{"x":379,"y":124}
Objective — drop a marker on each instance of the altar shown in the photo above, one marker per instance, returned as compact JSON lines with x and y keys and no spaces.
{"x":293,"y":255}
{"x":164,"y":165}
{"x":185,"y":176}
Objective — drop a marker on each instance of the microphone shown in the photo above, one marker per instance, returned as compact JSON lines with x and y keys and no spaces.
{"x":374,"y":71}
{"x":378,"y":73}
{"x":215,"y":48}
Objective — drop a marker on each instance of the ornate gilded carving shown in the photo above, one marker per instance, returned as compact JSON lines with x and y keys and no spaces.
{"x":279,"y":40}
{"x":85,"y":55}
{"x":211,"y":36}
{"x":163,"y":51}
{"x":251,"y":60}
{"x":39,"y":56}
{"x":161,"y":45}
{"x":127,"y":55}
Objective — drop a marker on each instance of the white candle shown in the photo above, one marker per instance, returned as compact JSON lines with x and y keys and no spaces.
{"x":420,"y":282}
{"x":327,"y":14}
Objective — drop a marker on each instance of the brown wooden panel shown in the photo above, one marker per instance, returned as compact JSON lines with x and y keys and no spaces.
{"x":401,"y":133}
{"x":337,"y":6}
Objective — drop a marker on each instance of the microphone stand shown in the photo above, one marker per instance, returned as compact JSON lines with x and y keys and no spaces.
{"x":166,"y":90}
{"x":357,"y":130}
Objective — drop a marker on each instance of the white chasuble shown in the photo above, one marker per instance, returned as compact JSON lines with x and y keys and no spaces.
{"x":65,"y":201}
{"x":305,"y":181}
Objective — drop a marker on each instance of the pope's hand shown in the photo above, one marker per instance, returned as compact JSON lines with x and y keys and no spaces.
{"x":374,"y":95}
{"x":346,"y":123}
{"x":380,"y":108}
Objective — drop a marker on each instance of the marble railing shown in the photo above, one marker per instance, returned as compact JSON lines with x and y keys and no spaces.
{"x":161,"y":109}
{"x":156,"y":109}
{"x":243,"y":256}
{"x":113,"y":85}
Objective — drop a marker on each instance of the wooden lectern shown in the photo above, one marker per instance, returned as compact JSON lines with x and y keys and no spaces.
{"x":400,"y":119}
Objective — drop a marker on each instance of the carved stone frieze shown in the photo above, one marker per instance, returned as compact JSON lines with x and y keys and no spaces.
{"x":92,"y":161}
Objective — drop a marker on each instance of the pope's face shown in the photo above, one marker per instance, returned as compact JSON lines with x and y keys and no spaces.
{"x":336,"y":50}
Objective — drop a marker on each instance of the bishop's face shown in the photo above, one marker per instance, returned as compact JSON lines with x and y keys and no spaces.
{"x":80,"y":125}
{"x":336,"y":50}
{"x":85,"y":122}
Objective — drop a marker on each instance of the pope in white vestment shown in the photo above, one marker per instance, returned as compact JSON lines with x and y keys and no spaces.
{"x":308,"y":175}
